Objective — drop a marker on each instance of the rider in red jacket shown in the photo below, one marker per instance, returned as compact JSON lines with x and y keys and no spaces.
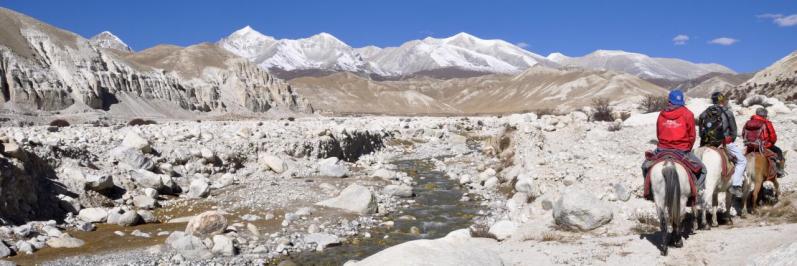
{"x":768,"y":137}
{"x":675,"y":128}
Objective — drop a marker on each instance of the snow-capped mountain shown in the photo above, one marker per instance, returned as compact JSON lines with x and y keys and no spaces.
{"x":640,"y":65}
{"x":106,"y":39}
{"x":321,"y":51}
{"x":463,"y":51}
{"x":325,"y":52}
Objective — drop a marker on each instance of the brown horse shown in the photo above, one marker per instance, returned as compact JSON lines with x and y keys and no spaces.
{"x":757,"y":171}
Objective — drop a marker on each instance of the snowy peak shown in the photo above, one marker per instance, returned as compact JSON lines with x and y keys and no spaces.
{"x":108,"y":40}
{"x":246,"y":42}
{"x":640,"y":65}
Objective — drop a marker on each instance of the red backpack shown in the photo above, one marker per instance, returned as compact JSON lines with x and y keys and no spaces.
{"x":753,"y":134}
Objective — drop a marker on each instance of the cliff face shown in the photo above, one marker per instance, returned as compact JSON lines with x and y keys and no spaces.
{"x":45,"y":68}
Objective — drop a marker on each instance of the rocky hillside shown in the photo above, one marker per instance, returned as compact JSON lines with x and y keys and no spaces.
{"x":535,"y":89}
{"x":778,"y":80}
{"x":46,"y":68}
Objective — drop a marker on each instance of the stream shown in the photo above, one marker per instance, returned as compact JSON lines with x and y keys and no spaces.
{"x":437,"y":211}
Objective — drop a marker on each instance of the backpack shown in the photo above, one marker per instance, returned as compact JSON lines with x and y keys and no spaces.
{"x":753,"y":134}
{"x":712,"y":132}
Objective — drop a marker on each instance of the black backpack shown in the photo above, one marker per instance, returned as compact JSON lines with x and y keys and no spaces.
{"x":711,"y":131}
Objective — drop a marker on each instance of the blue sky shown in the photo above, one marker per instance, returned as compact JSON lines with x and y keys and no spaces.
{"x":763,"y":29}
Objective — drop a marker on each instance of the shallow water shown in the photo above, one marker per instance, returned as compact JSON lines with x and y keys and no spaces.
{"x":437,"y":210}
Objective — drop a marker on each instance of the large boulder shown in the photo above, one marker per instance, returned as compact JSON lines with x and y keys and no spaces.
{"x":188,"y":245}
{"x":577,"y":209}
{"x":272,"y":162}
{"x":129,"y":218}
{"x":199,"y":188}
{"x":93,"y":215}
{"x":503,"y":229}
{"x":133,"y":158}
{"x":4,"y":251}
{"x":206,"y":224}
{"x":354,"y":198}
{"x":133,"y":140}
{"x":147,"y":179}
{"x":332,"y":167}
{"x":65,"y":241}
{"x":223,"y":245}
{"x":322,"y":240}
{"x":455,"y":249}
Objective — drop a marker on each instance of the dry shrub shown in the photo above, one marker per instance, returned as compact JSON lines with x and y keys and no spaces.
{"x":552,"y":236}
{"x":653,"y":103}
{"x":59,"y":123}
{"x":140,"y":122}
{"x":601,"y":110}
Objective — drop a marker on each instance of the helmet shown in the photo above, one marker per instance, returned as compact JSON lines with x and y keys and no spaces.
{"x":762,"y":112}
{"x":717,"y":97}
{"x":676,"y":97}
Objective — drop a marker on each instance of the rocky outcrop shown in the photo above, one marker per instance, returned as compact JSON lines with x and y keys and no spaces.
{"x":46,"y":68}
{"x":26,"y":191}
{"x":346,"y":145}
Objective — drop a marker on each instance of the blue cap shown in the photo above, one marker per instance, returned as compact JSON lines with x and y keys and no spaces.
{"x":677,"y":97}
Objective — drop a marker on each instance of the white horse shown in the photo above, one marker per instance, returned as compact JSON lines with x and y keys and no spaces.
{"x":715,"y":188}
{"x":669,"y":183}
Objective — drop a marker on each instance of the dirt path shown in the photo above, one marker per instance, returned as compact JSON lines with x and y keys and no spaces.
{"x":720,"y":246}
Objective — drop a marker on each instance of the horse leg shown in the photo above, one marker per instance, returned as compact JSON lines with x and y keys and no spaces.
{"x":777,"y":189}
{"x":759,"y":183}
{"x":714,"y":201}
{"x":665,"y":242}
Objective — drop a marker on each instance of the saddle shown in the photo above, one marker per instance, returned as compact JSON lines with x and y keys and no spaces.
{"x":676,"y":158}
{"x":728,"y":163}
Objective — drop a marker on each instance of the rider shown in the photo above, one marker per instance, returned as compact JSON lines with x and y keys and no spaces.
{"x":727,"y":136}
{"x":767,"y":136}
{"x":675,"y":130}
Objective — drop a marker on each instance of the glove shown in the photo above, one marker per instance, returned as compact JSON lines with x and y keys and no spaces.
{"x":728,"y":140}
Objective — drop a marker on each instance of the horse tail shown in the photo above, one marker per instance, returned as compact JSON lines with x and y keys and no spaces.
{"x":672,"y":192}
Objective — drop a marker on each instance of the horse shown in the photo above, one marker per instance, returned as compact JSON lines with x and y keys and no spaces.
{"x":669,"y":182}
{"x":714,"y":187}
{"x":757,"y":169}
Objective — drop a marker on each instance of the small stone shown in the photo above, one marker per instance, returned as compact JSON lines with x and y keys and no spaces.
{"x":65,"y":241}
{"x":93,"y":215}
{"x":223,"y":245}
{"x":206,"y":224}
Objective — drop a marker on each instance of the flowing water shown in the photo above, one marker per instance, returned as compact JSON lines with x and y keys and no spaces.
{"x":437,"y":211}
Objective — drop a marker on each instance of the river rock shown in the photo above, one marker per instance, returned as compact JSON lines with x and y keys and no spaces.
{"x":199,"y":188}
{"x":354,"y":198}
{"x":578,"y":209}
{"x":272,"y":162}
{"x":133,"y":158}
{"x":332,"y":167}
{"x":456,"y":248}
{"x":98,"y":182}
{"x":322,"y":240}
{"x":129,"y":218}
{"x":206,"y":224}
{"x":93,"y":215}
{"x":403,"y":191}
{"x":145,"y":202}
{"x":147,"y":216}
{"x":188,"y":245}
{"x":65,"y":241}
{"x":4,"y":251}
{"x":223,"y":245}
{"x":133,"y":140}
{"x":147,"y":179}
{"x":384,"y":174}
{"x":225,"y":180}
{"x":503,"y":230}
{"x":24,"y":247}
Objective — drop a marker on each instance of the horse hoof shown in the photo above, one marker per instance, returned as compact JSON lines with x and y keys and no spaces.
{"x":678,"y":244}
{"x":664,"y":252}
